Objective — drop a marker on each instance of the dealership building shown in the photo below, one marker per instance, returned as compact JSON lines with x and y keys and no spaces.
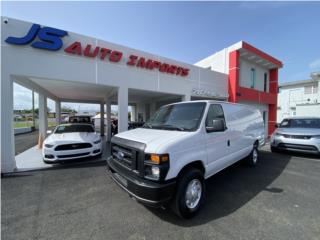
{"x":69,"y":67}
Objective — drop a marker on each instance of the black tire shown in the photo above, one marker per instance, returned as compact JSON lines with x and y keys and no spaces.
{"x":178,"y":204}
{"x":274,"y":149}
{"x":253,"y":157}
{"x":47,"y":162}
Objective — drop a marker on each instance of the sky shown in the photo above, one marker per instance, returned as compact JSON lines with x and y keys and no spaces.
{"x":189,"y":31}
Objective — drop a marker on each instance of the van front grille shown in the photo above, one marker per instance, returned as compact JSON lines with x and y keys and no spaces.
{"x":128,"y":154}
{"x":124,"y":155}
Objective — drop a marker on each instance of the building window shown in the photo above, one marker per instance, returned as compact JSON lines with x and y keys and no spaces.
{"x":307,"y":89}
{"x":253,"y":77}
{"x":311,"y":89}
{"x":315,"y":89}
{"x":265,"y":81}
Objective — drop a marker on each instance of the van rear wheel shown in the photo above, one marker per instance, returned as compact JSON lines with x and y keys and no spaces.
{"x":252,"y":159}
{"x":190,"y":193}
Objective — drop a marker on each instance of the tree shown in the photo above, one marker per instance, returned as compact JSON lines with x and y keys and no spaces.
{"x":68,"y":109}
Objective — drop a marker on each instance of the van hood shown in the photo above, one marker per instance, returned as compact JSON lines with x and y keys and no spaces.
{"x":299,"y":131}
{"x":153,"y":138}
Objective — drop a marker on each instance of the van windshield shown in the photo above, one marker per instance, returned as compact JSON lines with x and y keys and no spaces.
{"x":180,"y":117}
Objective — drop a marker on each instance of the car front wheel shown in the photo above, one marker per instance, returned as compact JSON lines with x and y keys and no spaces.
{"x":190,"y":193}
{"x":274,"y":149}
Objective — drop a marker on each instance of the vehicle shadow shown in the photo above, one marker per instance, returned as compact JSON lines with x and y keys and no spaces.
{"x":232,"y":188}
{"x":299,"y":154}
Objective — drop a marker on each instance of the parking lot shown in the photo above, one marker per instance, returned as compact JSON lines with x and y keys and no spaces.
{"x":279,"y":199}
{"x":25,"y":141}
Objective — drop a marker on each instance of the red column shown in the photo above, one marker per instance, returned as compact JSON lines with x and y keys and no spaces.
{"x":233,"y":78}
{"x":273,"y":88}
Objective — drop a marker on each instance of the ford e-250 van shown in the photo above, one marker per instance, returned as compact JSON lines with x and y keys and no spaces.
{"x":167,"y":160}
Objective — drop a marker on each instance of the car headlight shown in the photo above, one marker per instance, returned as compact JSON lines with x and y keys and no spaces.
{"x":278,"y":134}
{"x":48,"y":145}
{"x":98,"y":141}
{"x":156,"y":166}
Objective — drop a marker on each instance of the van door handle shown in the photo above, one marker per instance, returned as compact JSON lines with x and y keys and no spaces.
{"x":228,"y":143}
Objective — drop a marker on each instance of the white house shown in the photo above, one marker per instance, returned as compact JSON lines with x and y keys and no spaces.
{"x":299,"y":98}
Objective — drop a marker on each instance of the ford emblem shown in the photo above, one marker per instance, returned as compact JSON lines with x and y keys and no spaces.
{"x":120,"y":155}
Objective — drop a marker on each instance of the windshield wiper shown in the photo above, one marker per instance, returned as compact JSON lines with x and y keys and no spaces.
{"x":147,"y":125}
{"x":168,"y":126}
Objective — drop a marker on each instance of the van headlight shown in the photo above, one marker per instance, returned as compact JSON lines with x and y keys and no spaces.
{"x":156,"y":166}
{"x":97,"y":141}
{"x":316,"y":136}
{"x":155,"y":171}
{"x":48,"y":145}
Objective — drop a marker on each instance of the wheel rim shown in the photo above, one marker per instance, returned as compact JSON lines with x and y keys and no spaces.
{"x":255,"y":155}
{"x":193,"y":193}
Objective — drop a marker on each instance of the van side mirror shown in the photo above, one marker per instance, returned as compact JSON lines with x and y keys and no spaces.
{"x":217,"y":126}
{"x":49,"y":131}
{"x":276,"y":125}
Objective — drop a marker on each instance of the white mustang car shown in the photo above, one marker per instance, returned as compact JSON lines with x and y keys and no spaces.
{"x":71,"y":141}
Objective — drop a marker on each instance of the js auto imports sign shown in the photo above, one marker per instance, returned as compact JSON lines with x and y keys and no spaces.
{"x":51,"y":39}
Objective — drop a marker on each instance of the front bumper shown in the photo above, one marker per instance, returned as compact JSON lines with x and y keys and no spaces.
{"x":144,"y":191}
{"x":50,"y":155}
{"x":311,"y":145}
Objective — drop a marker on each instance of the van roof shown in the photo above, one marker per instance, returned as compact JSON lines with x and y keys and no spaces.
{"x":210,"y":101}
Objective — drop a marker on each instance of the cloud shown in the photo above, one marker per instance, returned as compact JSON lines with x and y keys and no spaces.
{"x":315,"y":64}
{"x":22,"y":97}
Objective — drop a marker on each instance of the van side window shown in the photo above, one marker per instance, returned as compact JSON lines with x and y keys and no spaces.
{"x":215,"y":112}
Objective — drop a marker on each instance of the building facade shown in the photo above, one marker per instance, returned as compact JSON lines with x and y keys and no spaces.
{"x":299,"y":98}
{"x":69,"y":67}
{"x":252,"y":78}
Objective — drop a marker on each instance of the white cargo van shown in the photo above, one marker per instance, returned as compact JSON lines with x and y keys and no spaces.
{"x":167,"y":160}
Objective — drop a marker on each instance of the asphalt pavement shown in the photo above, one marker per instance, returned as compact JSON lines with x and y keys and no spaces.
{"x":25,"y":141}
{"x":278,"y":199}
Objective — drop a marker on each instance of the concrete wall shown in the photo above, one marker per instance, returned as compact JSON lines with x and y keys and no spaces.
{"x":308,"y":110}
{"x":22,"y":130}
{"x":219,"y":61}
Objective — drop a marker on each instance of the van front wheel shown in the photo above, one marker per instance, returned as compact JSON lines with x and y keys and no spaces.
{"x":190,"y":193}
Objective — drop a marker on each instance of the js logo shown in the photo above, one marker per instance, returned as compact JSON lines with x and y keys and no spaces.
{"x":50,"y":38}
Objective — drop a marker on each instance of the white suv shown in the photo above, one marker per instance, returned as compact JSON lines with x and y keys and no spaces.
{"x":167,"y":161}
